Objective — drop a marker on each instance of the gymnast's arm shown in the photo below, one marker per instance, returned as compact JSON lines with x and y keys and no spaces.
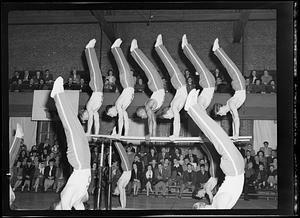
{"x":176,"y":121}
{"x":235,"y":120}
{"x":120,"y":119}
{"x":151,"y":117}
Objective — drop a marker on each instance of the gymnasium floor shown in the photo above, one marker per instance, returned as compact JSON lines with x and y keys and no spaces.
{"x":42,"y":201}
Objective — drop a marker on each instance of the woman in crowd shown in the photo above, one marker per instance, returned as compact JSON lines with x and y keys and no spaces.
{"x":149,"y":176}
{"x":136,"y":178}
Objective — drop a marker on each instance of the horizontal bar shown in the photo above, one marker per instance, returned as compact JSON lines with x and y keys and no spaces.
{"x":163,"y":139}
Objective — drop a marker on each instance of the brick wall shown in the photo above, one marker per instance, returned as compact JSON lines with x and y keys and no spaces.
{"x":60,"y":47}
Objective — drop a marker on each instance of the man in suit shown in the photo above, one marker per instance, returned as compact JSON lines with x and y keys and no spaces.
{"x":189,"y":178}
{"x":50,"y":172}
{"x":190,"y":153}
{"x":162,"y":155}
{"x":161,"y":177}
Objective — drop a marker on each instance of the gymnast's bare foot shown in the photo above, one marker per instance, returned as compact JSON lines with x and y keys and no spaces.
{"x":184,"y":41}
{"x":133,"y":45}
{"x":91,"y":44}
{"x":117,"y":43}
{"x":58,"y":87}
{"x":216,"y":44}
{"x":158,"y":40}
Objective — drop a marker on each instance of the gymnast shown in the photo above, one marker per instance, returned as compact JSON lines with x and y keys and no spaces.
{"x":127,"y":95}
{"x":96,"y":84}
{"x":206,"y":79}
{"x":13,"y":152}
{"x":232,"y":162}
{"x":155,"y":84}
{"x":78,"y":153}
{"x":238,"y":84}
{"x":179,"y":83}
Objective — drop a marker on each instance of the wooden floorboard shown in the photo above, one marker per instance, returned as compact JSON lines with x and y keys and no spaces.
{"x":42,"y":201}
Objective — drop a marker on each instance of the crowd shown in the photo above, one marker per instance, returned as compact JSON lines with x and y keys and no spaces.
{"x":38,"y":169}
{"x":27,"y":82}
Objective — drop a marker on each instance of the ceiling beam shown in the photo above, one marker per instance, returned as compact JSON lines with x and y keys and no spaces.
{"x":265,"y":15}
{"x":239,"y":25}
{"x":108,"y":28}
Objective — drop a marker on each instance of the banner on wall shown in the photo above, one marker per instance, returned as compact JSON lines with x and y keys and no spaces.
{"x":43,"y":107}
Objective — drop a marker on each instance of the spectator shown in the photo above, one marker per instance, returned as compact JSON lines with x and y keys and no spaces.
{"x":274,"y":163}
{"x":248,"y":158}
{"x":262,"y":159}
{"x":160,"y":180}
{"x":257,"y":87}
{"x":39,"y":176}
{"x":44,"y":155}
{"x":271,"y":87}
{"x":250,"y":148}
{"x":218,"y":75}
{"x":44,"y":145}
{"x":116,"y":174}
{"x":111,"y":80}
{"x":176,"y":172}
{"x":249,"y":179}
{"x":253,"y":77}
{"x":28,"y":173}
{"x":42,"y":85}
{"x":15,"y":78}
{"x":37,"y":77}
{"x":165,"y":84}
{"x":151,"y":155}
{"x":75,"y":77}
{"x":185,"y":164}
{"x":27,"y":77}
{"x":142,"y":153}
{"x":190,"y":84}
{"x":261,"y":177}
{"x":167,"y":171}
{"x":271,"y":157}
{"x":153,"y":164}
{"x":95,"y":154}
{"x":191,"y":154}
{"x":162,"y":155}
{"x":189,"y":177}
{"x":256,"y":163}
{"x":83,"y":87}
{"x":59,"y":179}
{"x":136,"y":178}
{"x":69,"y":84}
{"x":23,"y":155}
{"x":193,"y":162}
{"x":18,"y":174}
{"x":181,"y":159}
{"x":272,"y":177}
{"x":139,"y":85}
{"x":149,"y":177}
{"x":18,"y":87}
{"x":202,"y":176}
{"x":138,"y":163}
{"x":266,"y":149}
{"x":187,"y":74}
{"x":48,"y":77}
{"x":50,"y":173}
{"x":93,"y":178}
{"x":266,"y":78}
{"x":176,"y":154}
{"x":248,"y":85}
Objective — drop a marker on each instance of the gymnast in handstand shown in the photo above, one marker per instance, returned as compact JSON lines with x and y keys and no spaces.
{"x":232,"y":162}
{"x":127,"y":95}
{"x":179,"y":83}
{"x":238,"y":84}
{"x":13,"y":152}
{"x":96,"y":84}
{"x":78,"y":153}
{"x":155,"y":84}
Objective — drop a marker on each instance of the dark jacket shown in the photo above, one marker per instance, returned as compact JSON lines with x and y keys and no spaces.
{"x":47,"y":170}
{"x":186,"y":177}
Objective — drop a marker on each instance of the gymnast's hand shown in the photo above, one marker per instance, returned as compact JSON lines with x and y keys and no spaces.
{"x":114,"y":133}
{"x":147,"y":138}
{"x":172,"y":138}
{"x":234,"y":138}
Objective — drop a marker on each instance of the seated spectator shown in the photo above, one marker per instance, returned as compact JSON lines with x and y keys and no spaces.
{"x":50,"y":173}
{"x":94,"y":174}
{"x":262,"y":159}
{"x":18,"y":87}
{"x":136,"y":178}
{"x":253,"y":77}
{"x":257,"y":87}
{"x":151,"y":155}
{"x":153,"y":164}
{"x":139,"y":85}
{"x":185,"y":164}
{"x":37,"y":77}
{"x":69,"y":85}
{"x":274,"y":163}
{"x":42,"y":85}
{"x":48,"y":77}
{"x":193,"y":162}
{"x":176,"y":172}
{"x":271,"y":157}
{"x":181,"y":159}
{"x":249,"y":179}
{"x":116,"y":174}
{"x":75,"y":76}
{"x":189,"y":177}
{"x":59,"y":179}
{"x":39,"y":176}
{"x":160,"y":180}
{"x":44,"y":155}
{"x":256,"y":163}
{"x":83,"y":87}
{"x":138,"y":163}
{"x":30,"y":86}
{"x":250,"y":148}
{"x":55,"y":148}
{"x":176,"y":154}
{"x":149,"y":178}
{"x":28,"y":173}
{"x":266,"y":78}
{"x":15,"y":78}
{"x":261,"y":177}
{"x":187,"y":74}
{"x":142,"y":153}
{"x":248,"y":85}
{"x":17,"y":174}
{"x":190,"y":84}
{"x":162,"y":155}
{"x":111,"y":80}
{"x":271,"y":87}
{"x":201,"y":177}
{"x":167,"y":170}
{"x":218,"y":75}
{"x":95,"y":154}
{"x":272,"y":177}
{"x":44,"y":145}
{"x":248,"y":158}
{"x":266,"y":149}
{"x":190,"y":154}
{"x":27,"y":77}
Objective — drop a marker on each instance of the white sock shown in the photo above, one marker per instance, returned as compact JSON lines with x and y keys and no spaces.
{"x":158,"y":40}
{"x":216,"y":44}
{"x":184,"y":41}
{"x":91,"y":44}
{"x":133,"y":45}
{"x":58,"y":86}
{"x":117,"y":43}
{"x":19,"y":131}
